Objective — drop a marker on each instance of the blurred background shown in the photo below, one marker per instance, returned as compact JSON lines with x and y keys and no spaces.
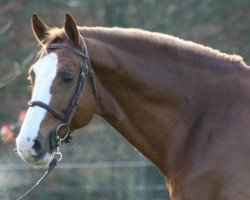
{"x":100,"y":164}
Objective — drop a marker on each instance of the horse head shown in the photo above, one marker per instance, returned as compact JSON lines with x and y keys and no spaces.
{"x":57,"y":79}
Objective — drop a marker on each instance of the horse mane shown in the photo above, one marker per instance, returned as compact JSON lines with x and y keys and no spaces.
{"x":150,"y":40}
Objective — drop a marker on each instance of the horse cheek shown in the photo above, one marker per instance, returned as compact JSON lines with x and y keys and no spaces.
{"x":85,"y":110}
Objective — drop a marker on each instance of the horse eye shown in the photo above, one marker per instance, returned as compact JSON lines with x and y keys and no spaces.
{"x":67,"y":77}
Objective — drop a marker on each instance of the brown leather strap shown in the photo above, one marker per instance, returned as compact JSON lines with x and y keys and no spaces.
{"x":48,"y":108}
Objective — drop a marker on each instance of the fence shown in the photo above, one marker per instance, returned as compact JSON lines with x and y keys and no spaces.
{"x":98,"y":165}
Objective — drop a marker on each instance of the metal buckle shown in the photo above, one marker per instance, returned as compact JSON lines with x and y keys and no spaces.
{"x":58,"y":155}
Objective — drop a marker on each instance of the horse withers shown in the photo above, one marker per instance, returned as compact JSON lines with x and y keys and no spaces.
{"x":184,"y":106}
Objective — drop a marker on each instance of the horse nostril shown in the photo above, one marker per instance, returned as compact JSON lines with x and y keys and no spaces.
{"x":37,"y":146}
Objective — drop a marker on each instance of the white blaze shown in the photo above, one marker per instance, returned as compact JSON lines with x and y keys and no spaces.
{"x":45,"y":73}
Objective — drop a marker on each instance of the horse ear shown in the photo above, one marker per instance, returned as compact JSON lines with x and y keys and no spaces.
{"x":39,"y":28}
{"x":71,"y":29}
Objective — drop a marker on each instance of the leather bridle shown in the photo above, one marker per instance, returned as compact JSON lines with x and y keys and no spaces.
{"x":56,"y":137}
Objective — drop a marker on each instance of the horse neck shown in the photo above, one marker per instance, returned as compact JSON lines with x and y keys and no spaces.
{"x":141,"y":89}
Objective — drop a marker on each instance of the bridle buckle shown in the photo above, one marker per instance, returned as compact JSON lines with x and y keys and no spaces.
{"x":58,"y":155}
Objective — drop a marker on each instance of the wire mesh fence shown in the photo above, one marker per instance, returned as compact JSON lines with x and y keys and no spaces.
{"x":98,"y":165}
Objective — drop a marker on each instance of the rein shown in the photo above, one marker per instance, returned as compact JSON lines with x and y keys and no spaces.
{"x":56,"y":137}
{"x":52,"y":165}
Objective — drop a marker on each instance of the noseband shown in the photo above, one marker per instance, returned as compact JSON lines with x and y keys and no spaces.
{"x":56,"y":136}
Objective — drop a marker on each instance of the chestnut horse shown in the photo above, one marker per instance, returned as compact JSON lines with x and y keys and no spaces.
{"x":184,"y":106}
